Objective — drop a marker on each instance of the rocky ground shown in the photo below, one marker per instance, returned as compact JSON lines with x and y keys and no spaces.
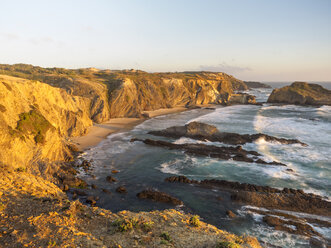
{"x":35,"y":213}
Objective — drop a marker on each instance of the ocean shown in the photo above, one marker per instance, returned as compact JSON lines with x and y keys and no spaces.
{"x":145,"y":167}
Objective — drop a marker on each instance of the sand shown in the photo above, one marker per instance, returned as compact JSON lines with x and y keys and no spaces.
{"x":99,"y":132}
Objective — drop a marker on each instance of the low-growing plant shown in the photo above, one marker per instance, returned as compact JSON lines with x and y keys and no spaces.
{"x":20,"y":169}
{"x":227,"y":244}
{"x":195,"y":221}
{"x":147,"y":226}
{"x":35,"y":123}
{"x":165,"y":236}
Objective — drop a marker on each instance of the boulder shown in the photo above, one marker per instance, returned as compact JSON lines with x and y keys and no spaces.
{"x":301,"y":93}
{"x":121,"y":190}
{"x":159,"y":197}
{"x":111,"y":179}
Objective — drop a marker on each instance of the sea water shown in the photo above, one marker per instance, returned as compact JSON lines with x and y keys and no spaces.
{"x":145,"y":167}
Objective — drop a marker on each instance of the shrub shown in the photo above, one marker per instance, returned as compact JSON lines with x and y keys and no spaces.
{"x":165,"y":236}
{"x":227,"y":244}
{"x":194,"y":221}
{"x":35,"y":123}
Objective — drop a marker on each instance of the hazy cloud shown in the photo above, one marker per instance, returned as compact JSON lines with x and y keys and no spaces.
{"x":10,"y":36}
{"x":224,"y":67}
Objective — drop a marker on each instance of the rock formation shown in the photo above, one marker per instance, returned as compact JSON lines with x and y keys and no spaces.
{"x":253,"y":84}
{"x":223,"y":152}
{"x":202,"y":131}
{"x":111,"y":94}
{"x":301,"y":93}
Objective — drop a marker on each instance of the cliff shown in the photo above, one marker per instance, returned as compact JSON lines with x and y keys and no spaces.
{"x":302,"y":94}
{"x":35,"y":118}
{"x":127,"y":93}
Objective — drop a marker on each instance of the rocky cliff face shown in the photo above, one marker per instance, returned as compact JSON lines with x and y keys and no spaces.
{"x":34,"y":119}
{"x":112,"y":94}
{"x":301,"y":93}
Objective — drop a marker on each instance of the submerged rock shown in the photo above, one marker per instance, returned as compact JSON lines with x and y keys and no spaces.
{"x":121,"y":190}
{"x":202,"y":131}
{"x":159,"y":197}
{"x":302,"y":94}
{"x":226,"y":153}
{"x":265,"y":196}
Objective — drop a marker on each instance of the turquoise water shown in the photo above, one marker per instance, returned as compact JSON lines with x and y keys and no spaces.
{"x":143,"y":166}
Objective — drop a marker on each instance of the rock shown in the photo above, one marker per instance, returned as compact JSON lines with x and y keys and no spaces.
{"x":265,"y":196}
{"x":231,"y":214}
{"x":290,"y":226}
{"x":111,"y":179}
{"x":79,"y":192}
{"x":106,"y":191}
{"x":93,"y":186}
{"x":159,"y":197}
{"x":114,"y":171}
{"x":241,"y":98}
{"x":302,"y":94}
{"x":121,"y":190}
{"x":253,"y":85}
{"x":202,"y":131}
{"x":92,"y":200}
{"x":314,"y":242}
{"x":225,"y":152}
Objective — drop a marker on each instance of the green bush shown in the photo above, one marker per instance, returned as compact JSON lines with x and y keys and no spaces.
{"x":194,"y":221}
{"x":227,"y":244}
{"x":35,"y":123}
{"x":165,"y":236}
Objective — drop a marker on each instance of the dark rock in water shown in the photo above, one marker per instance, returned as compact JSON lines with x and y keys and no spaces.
{"x":73,"y":182}
{"x":80,"y":192}
{"x":314,"y":242}
{"x":252,"y":85}
{"x":301,"y":93}
{"x":231,"y":214}
{"x":121,"y":190}
{"x":226,"y":153}
{"x":92,"y":200}
{"x":111,"y":179}
{"x":265,"y":196}
{"x":106,"y":191}
{"x":159,"y":197}
{"x":93,"y":186}
{"x":285,"y":225}
{"x":202,"y":131}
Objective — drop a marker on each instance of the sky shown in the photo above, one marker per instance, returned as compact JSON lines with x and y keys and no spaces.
{"x":262,"y":40}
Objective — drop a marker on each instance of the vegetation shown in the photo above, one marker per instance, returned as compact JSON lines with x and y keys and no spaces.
{"x":123,"y":225}
{"x":165,"y":236}
{"x":21,"y":169}
{"x":194,"y":221}
{"x":35,"y":123}
{"x":227,"y":244}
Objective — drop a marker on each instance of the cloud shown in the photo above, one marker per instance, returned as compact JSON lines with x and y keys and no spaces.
{"x":10,"y":36}
{"x":224,"y":67}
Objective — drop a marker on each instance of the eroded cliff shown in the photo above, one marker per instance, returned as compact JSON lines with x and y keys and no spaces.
{"x":35,"y":118}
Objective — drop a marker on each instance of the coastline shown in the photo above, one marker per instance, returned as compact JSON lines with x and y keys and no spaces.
{"x":99,"y":132}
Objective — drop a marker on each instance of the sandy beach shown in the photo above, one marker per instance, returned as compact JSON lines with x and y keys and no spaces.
{"x":98,"y":132}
